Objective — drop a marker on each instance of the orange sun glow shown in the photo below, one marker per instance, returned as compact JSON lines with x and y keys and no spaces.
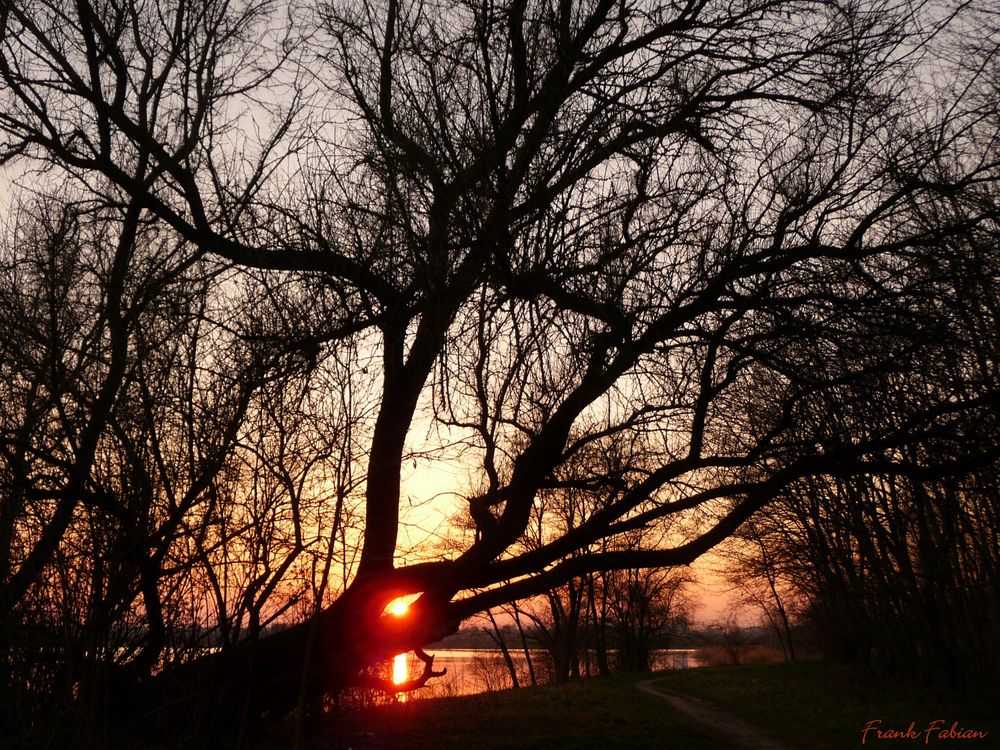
{"x":400,"y":668}
{"x":398,"y":607}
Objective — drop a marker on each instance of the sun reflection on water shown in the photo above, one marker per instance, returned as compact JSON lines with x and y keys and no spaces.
{"x":400,"y":669}
{"x":400,"y":664}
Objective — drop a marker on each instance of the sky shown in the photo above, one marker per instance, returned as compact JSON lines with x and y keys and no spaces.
{"x":430,"y":492}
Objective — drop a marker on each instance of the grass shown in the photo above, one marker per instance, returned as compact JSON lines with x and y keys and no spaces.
{"x":809,"y":705}
{"x":818,"y":705}
{"x":598,"y":714}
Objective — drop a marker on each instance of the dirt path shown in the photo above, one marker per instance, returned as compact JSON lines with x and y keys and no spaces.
{"x":740,"y":734}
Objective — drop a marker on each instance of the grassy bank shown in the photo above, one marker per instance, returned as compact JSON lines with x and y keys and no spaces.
{"x":812,"y":705}
{"x":599,"y":714}
{"x":818,"y":705}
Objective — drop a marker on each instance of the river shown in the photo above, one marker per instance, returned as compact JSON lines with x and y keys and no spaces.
{"x":484,"y":670}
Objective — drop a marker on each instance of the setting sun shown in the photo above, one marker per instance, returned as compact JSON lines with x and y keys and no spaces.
{"x":398,"y":607}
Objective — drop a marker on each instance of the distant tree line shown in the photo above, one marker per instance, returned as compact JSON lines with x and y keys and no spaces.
{"x":595,"y":625}
{"x":605,"y":620}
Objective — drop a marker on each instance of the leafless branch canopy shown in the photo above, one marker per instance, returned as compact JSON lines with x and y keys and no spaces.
{"x":637,"y":258}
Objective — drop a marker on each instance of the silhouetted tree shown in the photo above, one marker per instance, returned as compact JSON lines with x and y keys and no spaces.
{"x":898,"y":565}
{"x":645,"y":607}
{"x":756,"y":565}
{"x":545,"y":228}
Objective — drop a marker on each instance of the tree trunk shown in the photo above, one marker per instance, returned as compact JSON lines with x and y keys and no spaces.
{"x":270,"y":676}
{"x":524,"y":646}
{"x":497,"y":636}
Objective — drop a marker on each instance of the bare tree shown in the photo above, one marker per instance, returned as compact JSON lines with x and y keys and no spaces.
{"x":646,"y":607}
{"x":873,"y":556}
{"x":756,"y":566}
{"x":169,"y":547}
{"x":556,"y":228}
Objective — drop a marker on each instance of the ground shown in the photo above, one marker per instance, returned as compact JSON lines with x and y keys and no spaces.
{"x":605,"y":714}
{"x":819,"y":705}
{"x":729,"y":728}
{"x":809,"y":705}
{"x":813,"y":705}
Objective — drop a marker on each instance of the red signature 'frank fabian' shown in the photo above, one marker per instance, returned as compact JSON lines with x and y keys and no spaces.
{"x":936,"y":730}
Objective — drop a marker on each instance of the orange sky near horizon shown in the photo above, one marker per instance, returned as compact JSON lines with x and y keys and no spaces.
{"x":430,"y":494}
